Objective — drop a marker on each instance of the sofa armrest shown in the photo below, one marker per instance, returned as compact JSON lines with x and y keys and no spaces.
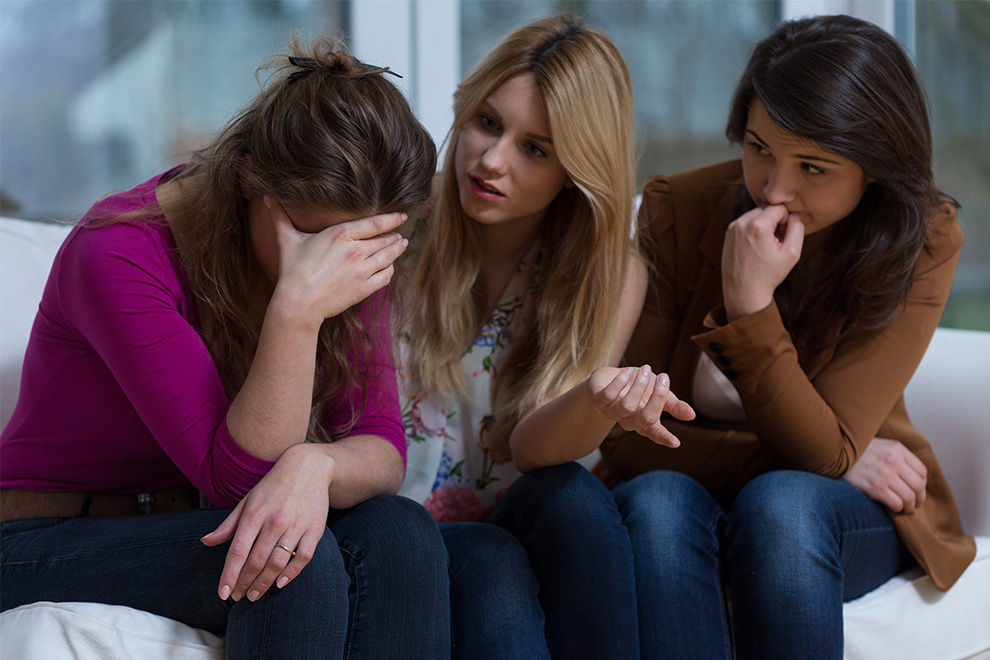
{"x":949,"y":401}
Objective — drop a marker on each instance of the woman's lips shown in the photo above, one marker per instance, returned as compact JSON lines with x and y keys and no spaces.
{"x":484,"y":190}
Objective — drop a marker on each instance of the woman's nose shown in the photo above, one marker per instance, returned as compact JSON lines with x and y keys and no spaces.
{"x":779,"y":188}
{"x":494,"y":157}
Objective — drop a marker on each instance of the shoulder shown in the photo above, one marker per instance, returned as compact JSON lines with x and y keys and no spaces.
{"x":695,"y":191}
{"x":936,"y":265}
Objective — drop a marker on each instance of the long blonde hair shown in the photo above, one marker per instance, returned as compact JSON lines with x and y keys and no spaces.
{"x":326,"y":131}
{"x":585,"y":243}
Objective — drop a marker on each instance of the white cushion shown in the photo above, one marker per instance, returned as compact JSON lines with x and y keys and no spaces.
{"x":907,"y":617}
{"x":27,"y":250}
{"x":88,"y":631}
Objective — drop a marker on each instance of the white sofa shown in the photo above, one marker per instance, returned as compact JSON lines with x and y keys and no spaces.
{"x":906,"y":618}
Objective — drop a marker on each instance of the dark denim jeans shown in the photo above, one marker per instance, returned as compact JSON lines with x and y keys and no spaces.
{"x":376,"y":587}
{"x":790,"y":549}
{"x":549,"y":572}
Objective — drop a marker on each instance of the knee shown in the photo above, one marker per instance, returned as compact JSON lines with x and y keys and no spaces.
{"x":484,"y":557}
{"x":665,"y":511}
{"x":568,"y":491}
{"x":398,"y":532}
{"x":780,"y":519}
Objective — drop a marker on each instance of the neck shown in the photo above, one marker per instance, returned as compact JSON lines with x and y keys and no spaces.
{"x":503,"y":247}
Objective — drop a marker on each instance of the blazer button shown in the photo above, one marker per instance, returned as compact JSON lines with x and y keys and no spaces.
{"x":715,"y":347}
{"x":723,"y":360}
{"x":731,"y":374}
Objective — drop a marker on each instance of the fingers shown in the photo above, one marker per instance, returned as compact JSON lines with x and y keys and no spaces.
{"x":383,"y":251}
{"x":793,"y":234}
{"x":225,"y":530}
{"x":678,"y":409}
{"x":305,"y":550}
{"x":611,"y":392}
{"x":373,"y":226}
{"x":280,"y":555}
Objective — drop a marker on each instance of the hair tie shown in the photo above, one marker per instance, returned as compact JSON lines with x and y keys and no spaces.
{"x":309,"y":65}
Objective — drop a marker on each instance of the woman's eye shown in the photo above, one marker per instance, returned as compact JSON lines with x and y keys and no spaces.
{"x":812,"y":169}
{"x":759,"y":148}
{"x":534,"y":150}
{"x":487,"y":122}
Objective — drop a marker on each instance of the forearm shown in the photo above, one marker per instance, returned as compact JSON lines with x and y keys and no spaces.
{"x":271,"y":411}
{"x":362,"y":466}
{"x":562,"y":430}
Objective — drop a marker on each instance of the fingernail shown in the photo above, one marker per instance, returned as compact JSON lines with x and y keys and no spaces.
{"x":238,"y":594}
{"x":268,"y":202}
{"x":282,"y":581}
{"x":664,"y":380}
{"x":254,"y":595}
{"x":404,"y":217}
{"x":224,"y":592}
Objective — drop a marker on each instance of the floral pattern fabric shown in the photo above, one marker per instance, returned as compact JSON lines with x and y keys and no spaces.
{"x":447,"y":470}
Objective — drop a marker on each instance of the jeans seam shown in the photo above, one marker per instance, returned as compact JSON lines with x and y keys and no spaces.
{"x":354,"y":610}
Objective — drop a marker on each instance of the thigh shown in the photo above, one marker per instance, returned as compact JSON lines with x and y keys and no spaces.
{"x":154,"y":563}
{"x":495,"y":609}
{"x":399,"y":589}
{"x":833,"y":522}
{"x":676,"y":528}
{"x":570,"y":526}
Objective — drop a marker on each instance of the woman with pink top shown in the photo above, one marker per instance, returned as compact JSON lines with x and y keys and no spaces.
{"x":222,"y":328}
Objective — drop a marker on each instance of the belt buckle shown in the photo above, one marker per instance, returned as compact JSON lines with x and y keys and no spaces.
{"x":145,"y":502}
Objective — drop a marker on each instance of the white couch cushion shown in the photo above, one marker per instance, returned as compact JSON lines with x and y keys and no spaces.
{"x":88,"y":631}
{"x":27,"y":250}
{"x":907,"y":617}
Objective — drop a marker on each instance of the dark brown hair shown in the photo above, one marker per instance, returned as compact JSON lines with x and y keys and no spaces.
{"x":327,"y":132}
{"x":848,"y":86}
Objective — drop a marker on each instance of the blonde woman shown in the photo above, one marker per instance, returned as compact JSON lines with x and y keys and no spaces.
{"x":525,"y":289}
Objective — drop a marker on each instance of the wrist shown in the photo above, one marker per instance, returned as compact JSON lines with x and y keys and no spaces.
{"x":288,"y":312}
{"x":319,"y":462}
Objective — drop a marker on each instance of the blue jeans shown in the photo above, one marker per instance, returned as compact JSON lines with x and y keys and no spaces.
{"x":789,"y":550}
{"x":376,"y":587}
{"x":549,"y":572}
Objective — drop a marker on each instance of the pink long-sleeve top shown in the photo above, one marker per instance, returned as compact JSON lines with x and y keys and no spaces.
{"x":118,"y":390}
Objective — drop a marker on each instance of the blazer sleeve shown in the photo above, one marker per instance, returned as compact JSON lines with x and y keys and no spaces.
{"x":822,"y":424}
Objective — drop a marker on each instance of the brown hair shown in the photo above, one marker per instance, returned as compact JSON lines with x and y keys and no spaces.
{"x":848,"y":86}
{"x":328,"y":132}
{"x":585,"y":243}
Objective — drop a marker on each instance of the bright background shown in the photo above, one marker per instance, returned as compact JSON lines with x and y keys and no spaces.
{"x":98,"y":95}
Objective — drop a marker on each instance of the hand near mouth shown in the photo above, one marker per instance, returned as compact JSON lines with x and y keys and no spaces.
{"x":761,"y":247}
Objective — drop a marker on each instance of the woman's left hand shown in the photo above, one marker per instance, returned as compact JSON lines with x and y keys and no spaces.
{"x":891,"y":474}
{"x":276,"y":527}
{"x":761,"y":247}
{"x":635,"y":399}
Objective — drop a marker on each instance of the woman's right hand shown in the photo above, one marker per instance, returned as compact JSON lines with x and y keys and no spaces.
{"x":320,"y":275}
{"x":274,"y":530}
{"x":635,"y":398}
{"x":761,"y":247}
{"x":891,"y":474}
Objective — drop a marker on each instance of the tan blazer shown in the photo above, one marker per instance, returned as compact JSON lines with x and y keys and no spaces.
{"x":814,"y":412}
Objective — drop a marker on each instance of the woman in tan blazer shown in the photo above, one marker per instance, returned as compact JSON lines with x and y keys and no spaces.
{"x":794,"y":295}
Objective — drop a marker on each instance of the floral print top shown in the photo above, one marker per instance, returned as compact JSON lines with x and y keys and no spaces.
{"x":447,"y":469}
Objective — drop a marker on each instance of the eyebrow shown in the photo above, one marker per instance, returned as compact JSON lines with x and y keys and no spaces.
{"x":532,"y":136}
{"x":801,"y":156}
